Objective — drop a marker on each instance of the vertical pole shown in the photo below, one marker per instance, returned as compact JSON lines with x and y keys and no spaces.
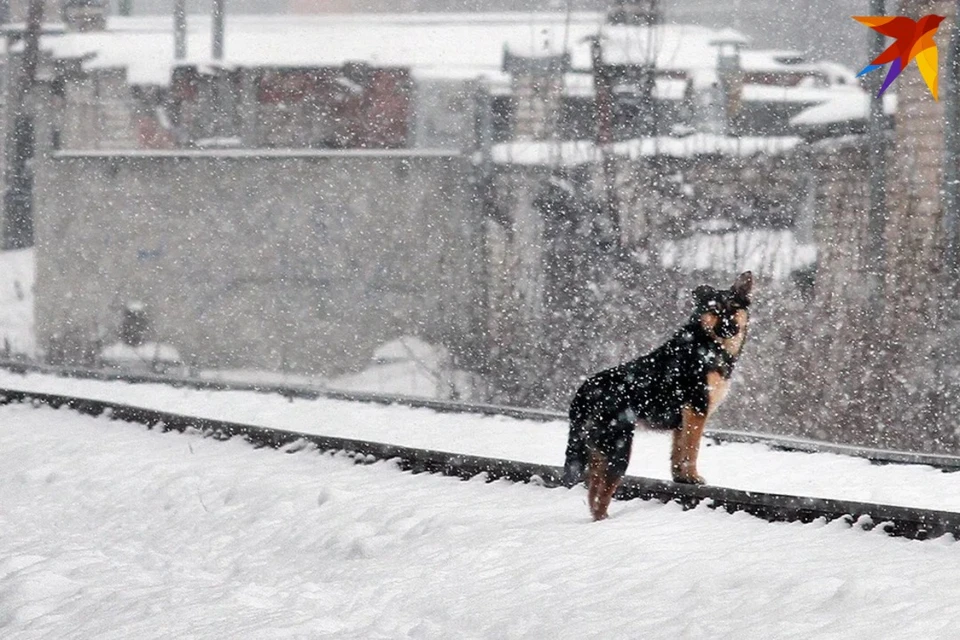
{"x":222,"y":90}
{"x":876,"y":144}
{"x":603,"y":106}
{"x":219,"y":15}
{"x":604,"y":135}
{"x":18,"y":199}
{"x":180,"y":29}
{"x":483,"y":208}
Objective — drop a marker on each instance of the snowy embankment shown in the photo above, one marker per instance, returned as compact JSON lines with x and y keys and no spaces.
{"x":113,"y":531}
{"x":741,"y":466}
{"x":16,"y":302}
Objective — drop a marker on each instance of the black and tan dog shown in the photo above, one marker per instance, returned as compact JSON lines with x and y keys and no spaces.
{"x":677,"y":387}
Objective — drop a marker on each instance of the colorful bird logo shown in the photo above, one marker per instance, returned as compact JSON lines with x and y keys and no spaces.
{"x":914,"y":40}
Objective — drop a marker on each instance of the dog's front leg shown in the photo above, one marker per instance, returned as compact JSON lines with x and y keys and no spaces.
{"x":686,"y":447}
{"x":594,"y":483}
{"x":606,"y":496}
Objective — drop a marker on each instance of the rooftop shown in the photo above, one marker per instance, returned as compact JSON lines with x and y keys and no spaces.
{"x":446,"y":45}
{"x":574,"y":152}
{"x":439,"y":45}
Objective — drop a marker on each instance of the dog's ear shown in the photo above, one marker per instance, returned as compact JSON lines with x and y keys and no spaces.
{"x":743,"y":286}
{"x":703,"y":294}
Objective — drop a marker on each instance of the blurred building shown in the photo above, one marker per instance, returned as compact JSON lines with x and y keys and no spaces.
{"x":16,"y":10}
{"x":822,"y":29}
{"x":345,"y":107}
{"x":390,"y":81}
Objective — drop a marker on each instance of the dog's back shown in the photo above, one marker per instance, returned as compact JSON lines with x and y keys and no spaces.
{"x":650,"y":389}
{"x":674,"y":387}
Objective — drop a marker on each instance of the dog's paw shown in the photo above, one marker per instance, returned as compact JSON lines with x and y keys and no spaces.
{"x":694,"y":479}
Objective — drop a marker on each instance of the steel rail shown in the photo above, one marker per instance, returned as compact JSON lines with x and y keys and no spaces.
{"x":720,"y":436}
{"x":895,"y":520}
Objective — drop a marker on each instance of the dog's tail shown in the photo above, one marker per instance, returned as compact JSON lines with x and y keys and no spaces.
{"x":575,"y":464}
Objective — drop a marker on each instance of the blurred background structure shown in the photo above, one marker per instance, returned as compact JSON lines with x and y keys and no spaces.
{"x":531,"y":188}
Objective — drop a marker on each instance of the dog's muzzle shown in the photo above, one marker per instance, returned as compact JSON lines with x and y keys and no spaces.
{"x":727,"y":329}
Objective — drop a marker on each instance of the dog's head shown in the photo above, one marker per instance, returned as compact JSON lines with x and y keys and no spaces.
{"x":723,"y":313}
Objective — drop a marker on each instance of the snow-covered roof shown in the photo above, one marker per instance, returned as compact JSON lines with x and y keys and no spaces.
{"x":444,"y":45}
{"x":573,"y":152}
{"x":672,"y":47}
{"x":785,"y":60}
{"x":803,"y":92}
{"x":448,"y":45}
{"x":729,"y":36}
{"x":842,"y":107}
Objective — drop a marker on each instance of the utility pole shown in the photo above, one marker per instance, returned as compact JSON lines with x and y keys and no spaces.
{"x":219,"y":15}
{"x":483,"y":208}
{"x":18,"y":198}
{"x":603,"y":105}
{"x":180,"y":29}
{"x":221,"y":105}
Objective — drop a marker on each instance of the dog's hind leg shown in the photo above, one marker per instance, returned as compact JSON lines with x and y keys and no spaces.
{"x":602,"y":484}
{"x":686,"y":447}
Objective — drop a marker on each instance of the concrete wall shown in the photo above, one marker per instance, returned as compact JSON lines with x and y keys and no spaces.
{"x":297,"y":261}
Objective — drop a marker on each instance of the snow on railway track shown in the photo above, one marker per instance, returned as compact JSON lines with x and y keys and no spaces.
{"x":751,"y":467}
{"x":900,"y":521}
{"x":114,"y":531}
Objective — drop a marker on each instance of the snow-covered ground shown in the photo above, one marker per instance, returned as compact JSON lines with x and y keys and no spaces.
{"x":409,"y":366}
{"x":113,"y":531}
{"x":742,"y":466}
{"x":406,"y":366}
{"x":16,"y":302}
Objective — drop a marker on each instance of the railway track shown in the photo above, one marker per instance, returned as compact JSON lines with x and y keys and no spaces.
{"x":898,"y":521}
{"x":784,"y":443}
